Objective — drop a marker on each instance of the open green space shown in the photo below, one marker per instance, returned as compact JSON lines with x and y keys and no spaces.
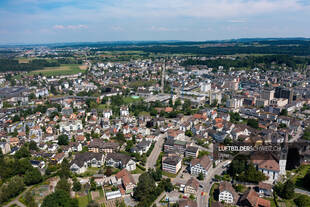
{"x":83,"y":201}
{"x":169,"y":175}
{"x":64,"y":69}
{"x":299,"y":174}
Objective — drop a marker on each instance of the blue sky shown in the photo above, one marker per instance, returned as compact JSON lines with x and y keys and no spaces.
{"x":47,"y":21}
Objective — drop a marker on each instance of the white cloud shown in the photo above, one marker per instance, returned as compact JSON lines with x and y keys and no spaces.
{"x":117,"y":28}
{"x":70,"y":27}
{"x":237,"y":21}
{"x":59,"y":27}
{"x":166,"y":29}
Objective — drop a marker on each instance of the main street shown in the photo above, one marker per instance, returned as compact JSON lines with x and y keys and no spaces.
{"x":151,"y":160}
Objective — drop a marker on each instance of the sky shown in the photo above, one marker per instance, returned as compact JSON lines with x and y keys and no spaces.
{"x":57,"y":21}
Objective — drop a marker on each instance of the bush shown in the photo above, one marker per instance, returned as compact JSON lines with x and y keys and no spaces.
{"x":302,"y":201}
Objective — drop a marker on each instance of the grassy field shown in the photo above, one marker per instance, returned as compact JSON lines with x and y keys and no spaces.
{"x":90,"y":172}
{"x":272,"y":203}
{"x":169,"y":175}
{"x":129,"y":100}
{"x":66,"y":69}
{"x":137,"y":171}
{"x":83,"y":201}
{"x":299,"y":175}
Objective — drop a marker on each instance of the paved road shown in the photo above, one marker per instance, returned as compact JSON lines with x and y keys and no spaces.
{"x":151,"y":160}
{"x":157,"y":201}
{"x":298,"y":190}
{"x":218,"y":170}
{"x":202,"y":200}
{"x":16,"y":200}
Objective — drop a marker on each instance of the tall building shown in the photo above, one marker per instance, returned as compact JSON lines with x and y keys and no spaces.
{"x":206,"y":86}
{"x":268,"y":94}
{"x":286,"y":93}
{"x":234,"y":103}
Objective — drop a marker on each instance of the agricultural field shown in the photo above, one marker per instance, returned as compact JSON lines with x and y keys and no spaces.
{"x":65,"y":69}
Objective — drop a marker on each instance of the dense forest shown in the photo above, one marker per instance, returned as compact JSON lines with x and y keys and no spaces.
{"x":285,"y":46}
{"x":36,"y":64}
{"x":265,"y":61}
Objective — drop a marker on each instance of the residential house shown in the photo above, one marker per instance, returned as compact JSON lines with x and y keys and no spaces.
{"x":124,"y":111}
{"x":142,"y":147}
{"x":200,"y":165}
{"x":59,"y":157}
{"x":177,"y":145}
{"x":14,"y":141}
{"x":191,"y":151}
{"x":35,"y":133}
{"x":107,"y":113}
{"x":251,"y":199}
{"x":120,"y":160}
{"x":191,"y":186}
{"x":128,"y":183}
{"x":75,"y":146}
{"x":70,"y":126}
{"x":5,"y":147}
{"x":227,"y":193}
{"x":98,"y":145}
{"x":84,"y":160}
{"x":172,"y":164}
{"x":265,"y":189}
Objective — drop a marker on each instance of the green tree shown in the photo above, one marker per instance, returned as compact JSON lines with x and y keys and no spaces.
{"x":288,"y":190}
{"x":32,"y":176}
{"x":22,"y":152}
{"x":253,"y":123}
{"x":284,"y":112}
{"x":145,"y":188}
{"x":189,"y":133}
{"x":93,"y":185}
{"x":76,"y":185}
{"x":59,"y":198}
{"x":32,"y":96}
{"x":200,"y":176}
{"x":33,"y":145}
{"x":64,"y":185}
{"x":63,"y":139}
{"x":12,"y":188}
{"x":64,"y":171}
{"x":306,"y":181}
{"x":29,"y":200}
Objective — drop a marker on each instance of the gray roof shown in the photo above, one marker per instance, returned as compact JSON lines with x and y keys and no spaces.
{"x":81,"y":158}
{"x":119,"y":157}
